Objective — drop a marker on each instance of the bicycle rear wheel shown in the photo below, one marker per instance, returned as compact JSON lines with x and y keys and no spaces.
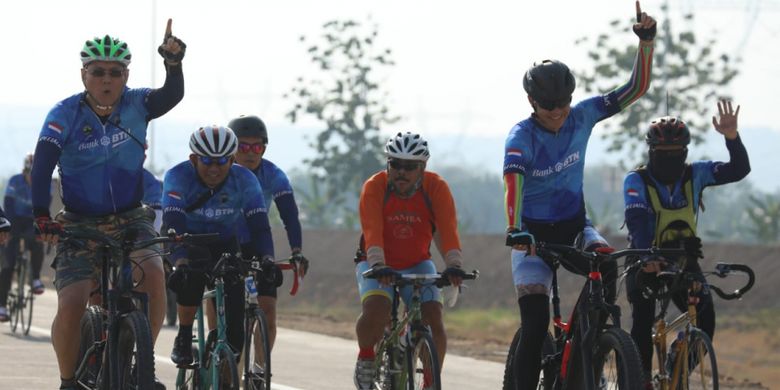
{"x":28,"y":306}
{"x":90,"y":354}
{"x":257,"y":366}
{"x":616,"y":361}
{"x":223,"y":370}
{"x":18,"y":298}
{"x":422,"y":363}
{"x":511,"y":369}
{"x":135,"y":354}
{"x":702,"y":365}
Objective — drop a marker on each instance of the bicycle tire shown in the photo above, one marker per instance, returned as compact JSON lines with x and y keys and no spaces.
{"x":510,"y":369}
{"x":135,"y":352}
{"x":17,"y":310}
{"x":256,"y":325}
{"x":702,"y":372}
{"x":27,"y":321}
{"x":91,"y":333}
{"x":223,"y":370}
{"x":422,"y":363}
{"x":616,"y":360}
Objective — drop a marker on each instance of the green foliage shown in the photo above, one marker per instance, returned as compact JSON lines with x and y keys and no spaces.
{"x":347,"y":99}
{"x":763,"y":217}
{"x":688,"y":70}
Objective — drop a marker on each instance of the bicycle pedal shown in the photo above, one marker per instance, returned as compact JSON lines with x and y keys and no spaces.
{"x":191,"y":366}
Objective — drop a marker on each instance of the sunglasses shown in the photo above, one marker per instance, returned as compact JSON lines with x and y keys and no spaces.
{"x":115,"y":73}
{"x":550,"y":105}
{"x":403,"y":165}
{"x":214,"y":160}
{"x":254,"y":148}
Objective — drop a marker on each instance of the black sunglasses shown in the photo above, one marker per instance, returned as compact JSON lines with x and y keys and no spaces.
{"x":403,"y":165}
{"x":100,"y":72}
{"x":550,"y":105}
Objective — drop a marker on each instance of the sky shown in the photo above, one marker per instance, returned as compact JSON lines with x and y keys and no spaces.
{"x":458,"y":72}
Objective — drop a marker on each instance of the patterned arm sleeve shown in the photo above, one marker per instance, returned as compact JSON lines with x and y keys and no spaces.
{"x":513,"y":200}
{"x":639,"y":82}
{"x":173,"y":205}
{"x":256,"y":215}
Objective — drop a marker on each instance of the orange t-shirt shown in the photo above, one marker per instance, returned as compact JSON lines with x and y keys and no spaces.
{"x":403,"y":228}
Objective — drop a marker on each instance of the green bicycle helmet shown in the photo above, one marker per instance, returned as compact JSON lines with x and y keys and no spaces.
{"x":105,"y":49}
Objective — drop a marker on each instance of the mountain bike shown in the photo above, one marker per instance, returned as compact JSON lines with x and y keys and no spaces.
{"x":688,"y":361}
{"x":116,"y":350}
{"x":257,"y":354}
{"x":591,"y":350}
{"x":214,"y":365}
{"x":21,"y":297}
{"x":406,"y":358}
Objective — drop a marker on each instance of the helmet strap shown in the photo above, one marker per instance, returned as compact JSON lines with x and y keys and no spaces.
{"x":412,"y":190}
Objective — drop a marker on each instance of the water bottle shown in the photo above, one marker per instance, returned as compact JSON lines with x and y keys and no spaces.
{"x":251,"y":289}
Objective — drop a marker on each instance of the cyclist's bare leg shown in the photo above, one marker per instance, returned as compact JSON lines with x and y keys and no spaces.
{"x":65,"y":329}
{"x":153,"y":274}
{"x":268,"y":306}
{"x":372,"y":321}
{"x":432,"y":316}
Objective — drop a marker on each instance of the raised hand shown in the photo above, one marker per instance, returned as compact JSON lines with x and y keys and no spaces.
{"x":172,"y":48}
{"x":644,"y":27}
{"x":727,"y":125}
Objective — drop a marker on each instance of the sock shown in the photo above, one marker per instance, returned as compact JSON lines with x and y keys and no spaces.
{"x":366,"y":353}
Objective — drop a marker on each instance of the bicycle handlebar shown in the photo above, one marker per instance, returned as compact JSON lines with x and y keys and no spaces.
{"x":565,"y":251}
{"x":402,"y":280}
{"x":255,"y":264}
{"x":723,"y":269}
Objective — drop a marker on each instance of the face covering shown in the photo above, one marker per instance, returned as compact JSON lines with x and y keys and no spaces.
{"x":667,"y":166}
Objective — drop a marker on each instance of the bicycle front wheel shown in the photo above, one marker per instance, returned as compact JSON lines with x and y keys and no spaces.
{"x":257,"y":354}
{"x":702,"y":366}
{"x":18,"y":298}
{"x":90,"y":353}
{"x":28,"y":306}
{"x":223,"y":370}
{"x":511,"y":367}
{"x":422,"y":363}
{"x":616,"y":361}
{"x":135,"y":353}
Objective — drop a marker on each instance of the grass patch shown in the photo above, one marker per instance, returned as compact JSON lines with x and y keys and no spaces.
{"x":497,"y":325}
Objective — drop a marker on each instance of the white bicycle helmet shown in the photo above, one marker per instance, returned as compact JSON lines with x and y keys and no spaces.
{"x":213,"y":141}
{"x":407,"y":146}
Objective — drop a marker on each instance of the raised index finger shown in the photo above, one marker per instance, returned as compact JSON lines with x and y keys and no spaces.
{"x":170,"y":21}
{"x":638,"y":12}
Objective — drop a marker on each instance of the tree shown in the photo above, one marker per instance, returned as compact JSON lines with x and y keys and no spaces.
{"x":689,"y":71}
{"x":763,"y":214}
{"x":348,"y":100}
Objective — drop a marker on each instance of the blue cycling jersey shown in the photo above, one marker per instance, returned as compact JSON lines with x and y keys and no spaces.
{"x":277,"y":189}
{"x":100,"y":165}
{"x":551,"y":163}
{"x":640,"y":216}
{"x":239,"y":200}
{"x":18,"y":198}
{"x":152,"y":190}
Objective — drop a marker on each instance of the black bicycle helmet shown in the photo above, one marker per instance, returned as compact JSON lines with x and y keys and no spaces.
{"x":550,"y":83}
{"x":249,"y":126}
{"x":668,"y":130}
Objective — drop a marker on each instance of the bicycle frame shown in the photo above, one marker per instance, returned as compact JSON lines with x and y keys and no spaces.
{"x":683,"y":326}
{"x":576,"y":338}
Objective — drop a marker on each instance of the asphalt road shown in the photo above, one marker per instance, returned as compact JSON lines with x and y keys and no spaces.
{"x":301,"y":360}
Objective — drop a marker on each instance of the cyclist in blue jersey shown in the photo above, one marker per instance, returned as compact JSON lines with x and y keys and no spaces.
{"x":96,"y":137}
{"x":18,"y":202}
{"x":543,"y":176}
{"x":252,"y":145}
{"x":662,"y":201}
{"x":209,"y":194}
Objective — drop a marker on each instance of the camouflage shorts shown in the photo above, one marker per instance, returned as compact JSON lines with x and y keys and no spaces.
{"x":78,"y":260}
